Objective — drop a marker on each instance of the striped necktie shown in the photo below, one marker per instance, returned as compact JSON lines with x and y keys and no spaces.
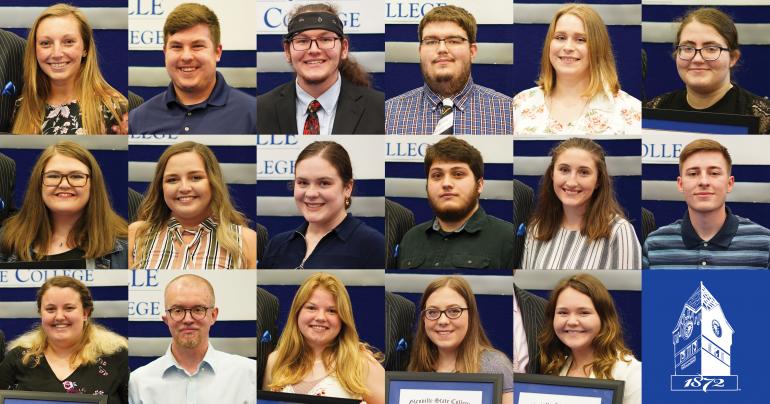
{"x":312,"y":127}
{"x":445,"y":124}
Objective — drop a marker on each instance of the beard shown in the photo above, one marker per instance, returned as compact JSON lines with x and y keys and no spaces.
{"x":189,"y":342}
{"x":446,"y":84}
{"x":456,"y":213}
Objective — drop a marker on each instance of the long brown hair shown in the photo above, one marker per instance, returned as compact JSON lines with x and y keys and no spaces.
{"x":92,"y":90}
{"x":608,"y":345}
{"x":602,"y":210}
{"x":424,"y":357}
{"x":95,"y":232}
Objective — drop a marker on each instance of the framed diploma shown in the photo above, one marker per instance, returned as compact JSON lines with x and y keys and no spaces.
{"x":274,"y":397}
{"x":442,"y":388}
{"x":542,"y":389}
{"x":38,"y":397}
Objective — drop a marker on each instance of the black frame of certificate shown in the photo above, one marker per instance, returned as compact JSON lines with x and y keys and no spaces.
{"x":48,"y":396}
{"x":616,"y":386}
{"x":434,"y":380}
{"x":750,"y":122}
{"x":302,"y":398}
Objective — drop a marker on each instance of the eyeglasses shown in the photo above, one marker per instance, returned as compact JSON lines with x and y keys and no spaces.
{"x":450,"y":42}
{"x":451,"y":313}
{"x":324,"y":42}
{"x":54,"y":179}
{"x":179,"y":313}
{"x":708,"y":53}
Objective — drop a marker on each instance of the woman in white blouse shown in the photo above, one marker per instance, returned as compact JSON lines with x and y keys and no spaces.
{"x":578,"y":91}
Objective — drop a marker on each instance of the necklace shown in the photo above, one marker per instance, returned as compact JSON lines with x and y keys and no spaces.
{"x":550,"y":109}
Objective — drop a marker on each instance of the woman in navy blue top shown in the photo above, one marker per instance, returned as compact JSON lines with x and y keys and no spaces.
{"x":330,"y":238}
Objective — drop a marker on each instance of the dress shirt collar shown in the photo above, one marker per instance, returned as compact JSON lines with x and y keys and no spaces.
{"x":460,"y":100}
{"x":723,"y":238}
{"x":210,"y":361}
{"x":207,"y":224}
{"x":218,"y":96}
{"x":328,"y":99}
{"x":472,"y":225}
{"x":344,"y":230}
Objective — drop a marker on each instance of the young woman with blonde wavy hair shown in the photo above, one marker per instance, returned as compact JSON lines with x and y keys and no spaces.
{"x":585,"y":338}
{"x":319,"y":352}
{"x":64,"y":90}
{"x":186,"y":219}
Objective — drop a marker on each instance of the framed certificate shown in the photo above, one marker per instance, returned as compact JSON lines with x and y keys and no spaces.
{"x":38,"y":397}
{"x":274,"y":397}
{"x":538,"y":389}
{"x":433,"y":387}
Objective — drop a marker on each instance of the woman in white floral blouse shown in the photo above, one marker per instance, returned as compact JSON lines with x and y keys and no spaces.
{"x":578,"y":92}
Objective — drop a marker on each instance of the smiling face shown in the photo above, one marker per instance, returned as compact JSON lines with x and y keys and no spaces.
{"x":189,"y":332}
{"x":705,"y":181}
{"x":65,"y":198}
{"x":191,"y":62}
{"x":576,"y":321}
{"x":447,"y":334}
{"x":319,"y":192}
{"x":446,"y":67}
{"x":315,"y":66}
{"x":699,"y":75}
{"x":319,"y":320}
{"x":186,"y":188}
{"x":62,"y":316}
{"x":453,"y":191}
{"x":59,"y":49}
{"x":575,"y":178}
{"x":568,"y":50}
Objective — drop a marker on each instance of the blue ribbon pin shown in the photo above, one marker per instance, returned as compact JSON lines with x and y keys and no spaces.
{"x":401,"y":346}
{"x":522,"y":230}
{"x":9,"y":89}
{"x":395,"y":251}
{"x":266,"y":337}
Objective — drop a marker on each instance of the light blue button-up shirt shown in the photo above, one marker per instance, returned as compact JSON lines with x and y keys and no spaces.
{"x":221,"y":378}
{"x":328,"y":109}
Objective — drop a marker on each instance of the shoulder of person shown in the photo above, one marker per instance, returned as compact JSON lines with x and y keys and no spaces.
{"x":491,"y":93}
{"x":402,"y":97}
{"x":107,"y":342}
{"x":528,"y":93}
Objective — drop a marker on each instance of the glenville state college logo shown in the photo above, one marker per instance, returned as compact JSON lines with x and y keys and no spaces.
{"x":702,"y":340}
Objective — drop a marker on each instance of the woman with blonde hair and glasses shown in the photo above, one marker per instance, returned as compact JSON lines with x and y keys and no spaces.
{"x":64,"y":91}
{"x":578,"y":91}
{"x":186,"y":220}
{"x":66,"y":214}
{"x":450,"y":337}
{"x":319,"y":352}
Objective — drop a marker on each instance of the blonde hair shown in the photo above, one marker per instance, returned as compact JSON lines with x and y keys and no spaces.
{"x":347,"y":356}
{"x":92,"y":90}
{"x":604,"y":76}
{"x":155,"y":213}
{"x":96,"y":231}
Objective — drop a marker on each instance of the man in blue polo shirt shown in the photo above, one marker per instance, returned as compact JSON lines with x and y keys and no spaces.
{"x":709,"y":236}
{"x":198,"y":100}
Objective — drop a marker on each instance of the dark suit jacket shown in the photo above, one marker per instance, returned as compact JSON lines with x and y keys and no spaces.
{"x":399,"y":319}
{"x":398,"y":220}
{"x":262,"y":237}
{"x":7,"y":182}
{"x":267,"y":320}
{"x":2,"y":345}
{"x":532,"y":309}
{"x":134,"y":200}
{"x":134,"y":100}
{"x":523,"y":202}
{"x":11,"y":70}
{"x":360,"y":110}
{"x":648,"y":224}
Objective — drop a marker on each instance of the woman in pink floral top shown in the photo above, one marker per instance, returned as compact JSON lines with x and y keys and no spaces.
{"x":578,"y":92}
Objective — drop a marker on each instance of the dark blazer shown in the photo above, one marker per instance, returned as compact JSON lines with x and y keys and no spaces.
{"x":523,"y":202}
{"x":399,"y":320}
{"x":398,"y":220}
{"x":11,"y":70}
{"x":134,"y":100}
{"x":7,"y":182}
{"x":134,"y":200}
{"x":262,"y":237}
{"x":2,"y":346}
{"x":648,"y":224}
{"x":532,"y":309}
{"x":267,"y":330}
{"x":360,"y":110}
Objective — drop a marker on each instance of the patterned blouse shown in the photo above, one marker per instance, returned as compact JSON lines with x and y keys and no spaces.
{"x":66,"y":119}
{"x":621,"y":115}
{"x":167,"y":249}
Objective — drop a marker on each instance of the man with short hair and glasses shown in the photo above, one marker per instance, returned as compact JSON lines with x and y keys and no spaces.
{"x":191,"y":370}
{"x":331,"y":93}
{"x":449,"y":101}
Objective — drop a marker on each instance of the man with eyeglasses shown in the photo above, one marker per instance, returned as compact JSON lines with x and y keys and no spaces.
{"x":191,"y":370}
{"x":198,"y":99}
{"x":331,"y":93}
{"x":449,"y":101}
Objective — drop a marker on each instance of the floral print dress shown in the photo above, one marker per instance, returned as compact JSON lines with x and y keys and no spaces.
{"x":66,"y":119}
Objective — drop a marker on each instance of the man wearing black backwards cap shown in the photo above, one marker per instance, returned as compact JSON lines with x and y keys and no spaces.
{"x":331,"y":93}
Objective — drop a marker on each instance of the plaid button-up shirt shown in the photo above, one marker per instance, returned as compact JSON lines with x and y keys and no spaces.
{"x":477,"y":111}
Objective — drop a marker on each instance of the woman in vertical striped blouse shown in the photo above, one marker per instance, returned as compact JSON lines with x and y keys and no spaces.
{"x":578,"y":223}
{"x":186,"y":220}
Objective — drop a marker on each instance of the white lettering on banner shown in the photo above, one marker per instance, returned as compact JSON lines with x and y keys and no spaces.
{"x":144,"y":7}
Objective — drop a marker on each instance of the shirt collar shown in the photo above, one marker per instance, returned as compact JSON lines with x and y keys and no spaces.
{"x":210,"y":361}
{"x":723,"y":238}
{"x":602,"y":102}
{"x":460,"y":100}
{"x":472,"y":225}
{"x":207,"y":224}
{"x":343,"y":230}
{"x":218,"y":96}
{"x":328,"y":99}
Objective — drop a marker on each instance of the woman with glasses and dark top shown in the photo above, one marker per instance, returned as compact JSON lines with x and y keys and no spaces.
{"x":319,"y":352}
{"x":66,"y":214}
{"x":450,"y":337}
{"x":706,"y":51}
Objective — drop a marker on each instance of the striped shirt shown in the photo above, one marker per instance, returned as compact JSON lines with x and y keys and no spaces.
{"x":739,"y":244}
{"x":167,"y":249}
{"x":477,"y":111}
{"x":568,"y":249}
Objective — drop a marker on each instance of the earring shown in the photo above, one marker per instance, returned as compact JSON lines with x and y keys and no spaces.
{"x":347,"y":202}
